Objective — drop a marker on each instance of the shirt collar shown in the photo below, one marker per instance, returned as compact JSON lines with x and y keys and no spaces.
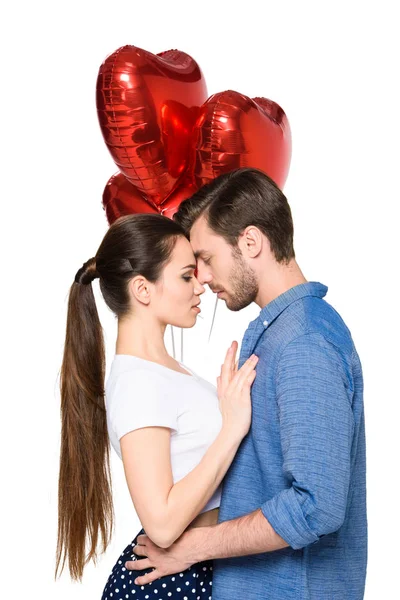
{"x":274,"y":308}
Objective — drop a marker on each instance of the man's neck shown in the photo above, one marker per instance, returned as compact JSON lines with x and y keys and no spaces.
{"x":282,"y":278}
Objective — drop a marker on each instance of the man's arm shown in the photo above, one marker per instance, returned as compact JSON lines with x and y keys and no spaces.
{"x":314,"y":392}
{"x":249,"y":534}
{"x":245,"y":535}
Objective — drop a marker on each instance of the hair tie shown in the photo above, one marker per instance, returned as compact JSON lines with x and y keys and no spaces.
{"x":87,"y":272}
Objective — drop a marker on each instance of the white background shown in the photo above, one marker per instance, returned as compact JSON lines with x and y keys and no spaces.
{"x":333,"y":67}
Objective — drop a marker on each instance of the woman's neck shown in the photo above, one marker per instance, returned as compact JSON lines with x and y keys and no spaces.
{"x":142,"y":338}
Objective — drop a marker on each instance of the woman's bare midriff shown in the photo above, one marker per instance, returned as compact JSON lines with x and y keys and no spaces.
{"x":205,"y":519}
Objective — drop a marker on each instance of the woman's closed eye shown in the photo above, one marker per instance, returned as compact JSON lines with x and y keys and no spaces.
{"x":188,"y":275}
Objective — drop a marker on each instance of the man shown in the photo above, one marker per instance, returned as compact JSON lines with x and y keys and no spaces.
{"x":292,"y":521}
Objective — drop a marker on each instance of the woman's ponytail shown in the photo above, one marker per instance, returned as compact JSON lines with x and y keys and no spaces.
{"x":85,"y":505}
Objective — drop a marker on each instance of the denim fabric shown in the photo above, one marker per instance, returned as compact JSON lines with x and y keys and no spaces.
{"x":303,"y":461}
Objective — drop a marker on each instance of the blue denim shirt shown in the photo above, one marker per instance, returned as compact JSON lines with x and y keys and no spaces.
{"x":303,"y":460}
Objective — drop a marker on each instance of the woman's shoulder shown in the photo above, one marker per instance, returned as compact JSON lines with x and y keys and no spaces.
{"x":138,"y":396}
{"x":131,"y":372}
{"x":138,"y":385}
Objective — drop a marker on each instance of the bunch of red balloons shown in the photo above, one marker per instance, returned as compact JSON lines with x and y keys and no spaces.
{"x":168,"y":138}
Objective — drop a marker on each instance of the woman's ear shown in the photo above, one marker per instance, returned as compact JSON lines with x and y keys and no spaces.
{"x":140,"y":288}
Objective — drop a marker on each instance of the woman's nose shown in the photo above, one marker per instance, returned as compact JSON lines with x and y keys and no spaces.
{"x":199,"y":287}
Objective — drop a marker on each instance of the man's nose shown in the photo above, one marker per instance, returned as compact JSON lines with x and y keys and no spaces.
{"x":204,"y":275}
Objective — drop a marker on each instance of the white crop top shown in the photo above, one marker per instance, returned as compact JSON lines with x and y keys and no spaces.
{"x":141,"y":393}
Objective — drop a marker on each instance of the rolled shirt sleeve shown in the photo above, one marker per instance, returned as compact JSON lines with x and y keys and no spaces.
{"x":314,"y":392}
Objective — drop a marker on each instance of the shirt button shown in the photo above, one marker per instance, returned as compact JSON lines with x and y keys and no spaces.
{"x":265,"y":323}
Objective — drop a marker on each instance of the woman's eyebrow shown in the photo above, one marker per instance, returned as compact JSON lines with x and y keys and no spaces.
{"x":189,"y":267}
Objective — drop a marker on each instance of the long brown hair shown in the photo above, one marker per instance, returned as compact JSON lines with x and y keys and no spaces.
{"x":134,"y":244}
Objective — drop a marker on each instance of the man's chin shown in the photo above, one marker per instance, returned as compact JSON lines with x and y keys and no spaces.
{"x":236,"y":305}
{"x":231,"y":305}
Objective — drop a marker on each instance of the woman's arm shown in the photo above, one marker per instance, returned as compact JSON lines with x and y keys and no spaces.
{"x":165,"y":509}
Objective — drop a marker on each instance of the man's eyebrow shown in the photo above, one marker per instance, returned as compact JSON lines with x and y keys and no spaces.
{"x":200,"y":253}
{"x":189,"y":267}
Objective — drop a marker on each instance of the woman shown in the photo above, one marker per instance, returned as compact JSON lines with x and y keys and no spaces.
{"x":175,"y":433}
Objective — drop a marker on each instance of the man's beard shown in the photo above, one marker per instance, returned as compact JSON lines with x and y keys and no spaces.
{"x":243,"y":284}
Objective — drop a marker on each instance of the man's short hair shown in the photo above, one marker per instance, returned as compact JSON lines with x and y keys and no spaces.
{"x":236,"y":200}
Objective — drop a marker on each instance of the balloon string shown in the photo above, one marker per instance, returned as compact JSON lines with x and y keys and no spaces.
{"x":173,"y":340}
{"x":213,"y":319}
{"x":181,"y":345}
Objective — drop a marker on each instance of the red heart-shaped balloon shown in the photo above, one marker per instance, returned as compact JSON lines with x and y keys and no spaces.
{"x":235,"y":131}
{"x":121,"y":198}
{"x":232,"y":131}
{"x":147,"y":106}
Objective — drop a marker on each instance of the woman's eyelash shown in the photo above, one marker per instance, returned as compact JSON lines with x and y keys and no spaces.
{"x":187,"y":278}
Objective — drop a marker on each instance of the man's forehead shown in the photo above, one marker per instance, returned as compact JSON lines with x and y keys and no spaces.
{"x":201,"y":236}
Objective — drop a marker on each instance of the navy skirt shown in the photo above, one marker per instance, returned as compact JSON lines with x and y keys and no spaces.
{"x":194,"y":583}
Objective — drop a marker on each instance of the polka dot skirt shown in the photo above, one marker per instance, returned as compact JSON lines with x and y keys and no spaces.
{"x":194,"y":583}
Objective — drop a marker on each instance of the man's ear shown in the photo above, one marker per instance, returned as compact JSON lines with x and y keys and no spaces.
{"x":251,"y":241}
{"x":140,"y":288}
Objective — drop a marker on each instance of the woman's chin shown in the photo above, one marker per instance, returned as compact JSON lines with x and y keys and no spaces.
{"x":185,"y":323}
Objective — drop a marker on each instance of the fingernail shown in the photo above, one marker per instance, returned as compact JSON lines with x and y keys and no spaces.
{"x":136,"y":581}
